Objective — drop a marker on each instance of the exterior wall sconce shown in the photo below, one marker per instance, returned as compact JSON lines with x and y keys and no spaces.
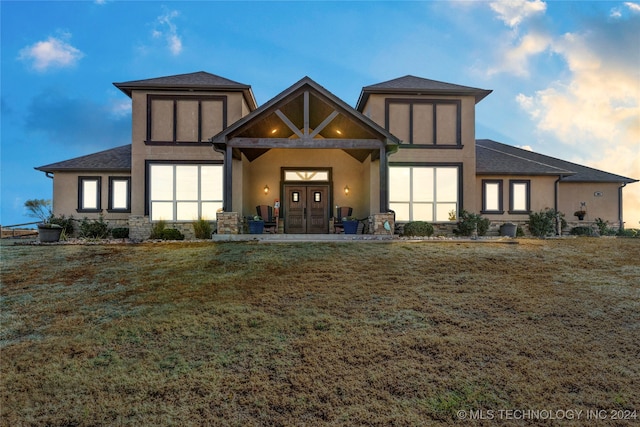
{"x":266,"y":189}
{"x":346,"y":190}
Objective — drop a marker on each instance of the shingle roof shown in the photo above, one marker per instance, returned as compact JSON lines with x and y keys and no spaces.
{"x":114,"y":159}
{"x":413,"y":84}
{"x":198,"y":80}
{"x":496,"y":158}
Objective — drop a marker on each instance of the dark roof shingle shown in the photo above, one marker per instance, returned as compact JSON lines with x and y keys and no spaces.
{"x":413,"y":84}
{"x":114,"y":159}
{"x":199,"y":80}
{"x":497,"y":158}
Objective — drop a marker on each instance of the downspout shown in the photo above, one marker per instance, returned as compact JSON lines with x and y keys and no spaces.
{"x":621,"y":222}
{"x":48,"y":175}
{"x":556,"y":191}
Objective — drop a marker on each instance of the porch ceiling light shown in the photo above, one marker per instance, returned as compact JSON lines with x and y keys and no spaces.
{"x":266,"y":189}
{"x":346,"y":190}
{"x":274,"y":131}
{"x":338,"y":132}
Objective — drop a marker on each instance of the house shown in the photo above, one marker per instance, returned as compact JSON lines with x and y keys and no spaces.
{"x":201,"y":145}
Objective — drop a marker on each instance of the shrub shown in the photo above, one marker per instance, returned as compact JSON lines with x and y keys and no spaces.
{"x":65,"y":223}
{"x":94,"y":229}
{"x":172,"y":234}
{"x":418,"y":228}
{"x":469,"y":222}
{"x":158,"y":229}
{"x":39,"y":208}
{"x":582,"y":231}
{"x":202,"y":229}
{"x":628,"y":232}
{"x":120,"y":233}
{"x":543,"y":223}
{"x":603,"y":227}
{"x":519,"y":232}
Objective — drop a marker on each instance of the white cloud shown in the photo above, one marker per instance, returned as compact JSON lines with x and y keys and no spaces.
{"x":513,"y":12}
{"x":51,"y":53}
{"x":516,"y":60}
{"x":595,"y":110}
{"x":167,"y":29}
{"x":120,"y":108}
{"x":633,"y":7}
{"x":525,"y":147}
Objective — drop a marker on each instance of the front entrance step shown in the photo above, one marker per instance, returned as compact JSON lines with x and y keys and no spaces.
{"x":300,"y":237}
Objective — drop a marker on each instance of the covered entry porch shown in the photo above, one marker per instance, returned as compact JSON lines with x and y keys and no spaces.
{"x":305,"y":153}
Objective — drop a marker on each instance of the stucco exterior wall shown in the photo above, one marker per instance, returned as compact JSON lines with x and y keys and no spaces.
{"x":65,"y":198}
{"x":601,"y":200}
{"x":140,"y":152}
{"x":541,"y":195}
{"x":464,"y":155}
{"x":265,"y":170}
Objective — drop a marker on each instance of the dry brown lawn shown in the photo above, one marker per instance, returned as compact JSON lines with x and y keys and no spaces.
{"x":321,"y":334}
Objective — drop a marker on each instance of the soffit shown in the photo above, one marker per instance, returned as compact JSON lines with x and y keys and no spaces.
{"x":307,"y":114}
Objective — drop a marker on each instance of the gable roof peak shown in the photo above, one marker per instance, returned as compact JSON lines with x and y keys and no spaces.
{"x":411,"y":84}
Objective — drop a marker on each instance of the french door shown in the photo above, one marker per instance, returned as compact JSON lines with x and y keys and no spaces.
{"x":306,"y":209}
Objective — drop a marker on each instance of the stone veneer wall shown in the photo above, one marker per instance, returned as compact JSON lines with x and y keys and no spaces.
{"x":139,"y":227}
{"x":228,"y":222}
{"x":376,"y":223}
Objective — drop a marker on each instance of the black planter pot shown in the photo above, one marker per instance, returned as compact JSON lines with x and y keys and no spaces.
{"x":49,"y":233}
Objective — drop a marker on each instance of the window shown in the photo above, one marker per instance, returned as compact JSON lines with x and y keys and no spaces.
{"x":119,"y":194}
{"x":519,"y":196}
{"x":184,"y":119}
{"x":184,"y":192}
{"x":424,"y":193}
{"x":89,"y":194}
{"x":425,"y":122}
{"x":492,"y":196}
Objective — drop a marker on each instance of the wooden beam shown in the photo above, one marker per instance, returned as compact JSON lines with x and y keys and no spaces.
{"x":289,"y":123}
{"x":324,"y":124}
{"x":227,"y":192}
{"x":306,"y":142}
{"x":306,"y":113}
{"x":384,"y":181}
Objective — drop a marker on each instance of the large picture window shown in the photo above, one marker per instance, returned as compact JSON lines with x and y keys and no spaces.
{"x":519,"y":196}
{"x":89,"y":194}
{"x":184,"y":192}
{"x":425,"y":193}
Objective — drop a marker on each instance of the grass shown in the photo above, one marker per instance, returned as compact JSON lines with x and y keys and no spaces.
{"x":388,"y":334}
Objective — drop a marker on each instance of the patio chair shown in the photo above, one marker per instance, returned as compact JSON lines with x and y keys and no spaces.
{"x":270,"y":221}
{"x":341,"y":212}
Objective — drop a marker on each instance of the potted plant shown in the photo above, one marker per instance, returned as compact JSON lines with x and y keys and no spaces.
{"x":350,"y":225}
{"x":256,"y":225}
{"x":580,"y":214}
{"x":41,"y":209}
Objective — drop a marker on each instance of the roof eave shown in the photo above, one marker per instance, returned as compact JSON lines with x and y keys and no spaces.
{"x":48,"y":169}
{"x":128,"y":89}
{"x":365,"y":93}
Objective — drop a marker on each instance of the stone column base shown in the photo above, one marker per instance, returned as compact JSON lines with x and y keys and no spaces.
{"x":228,"y":222}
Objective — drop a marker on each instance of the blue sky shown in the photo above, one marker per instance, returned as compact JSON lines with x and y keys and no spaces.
{"x":565,"y":75}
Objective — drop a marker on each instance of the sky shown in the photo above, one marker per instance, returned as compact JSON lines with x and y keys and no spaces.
{"x":565,"y":75}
